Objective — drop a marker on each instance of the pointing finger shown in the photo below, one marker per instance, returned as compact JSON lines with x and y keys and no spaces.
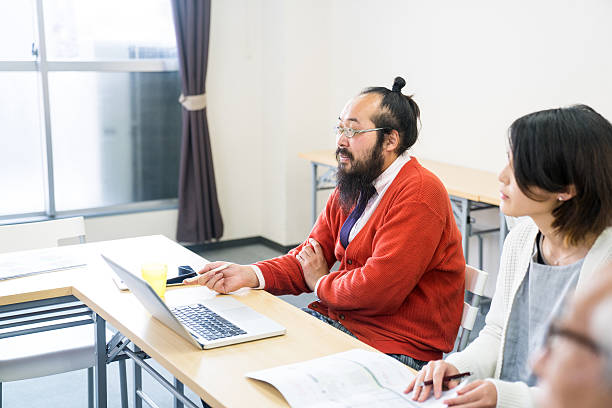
{"x":210,"y":281}
{"x":191,"y":281}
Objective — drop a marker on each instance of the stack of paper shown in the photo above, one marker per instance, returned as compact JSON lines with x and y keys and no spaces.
{"x":18,"y":264}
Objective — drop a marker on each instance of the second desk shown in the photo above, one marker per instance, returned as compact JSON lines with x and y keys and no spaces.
{"x":469,"y":189}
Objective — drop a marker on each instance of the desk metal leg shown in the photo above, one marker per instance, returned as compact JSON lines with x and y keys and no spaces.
{"x":464,"y":219}
{"x":123,"y":383}
{"x":181,"y":389}
{"x":137,"y":382}
{"x":314,"y":192}
{"x":480,"y":251}
{"x":100,"y":367}
{"x":90,"y":388}
{"x":157,"y":377}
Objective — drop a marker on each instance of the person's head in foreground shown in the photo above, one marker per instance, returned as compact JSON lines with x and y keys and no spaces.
{"x":575,"y":365}
{"x":560,"y":172}
{"x":374,"y":128}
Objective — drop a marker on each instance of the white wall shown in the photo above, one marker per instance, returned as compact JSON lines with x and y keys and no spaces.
{"x":234,"y":99}
{"x":475,"y":66}
{"x":296,"y":106}
{"x":281,"y":70}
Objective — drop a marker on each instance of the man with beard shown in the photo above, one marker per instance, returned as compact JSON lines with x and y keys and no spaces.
{"x":389,"y":224}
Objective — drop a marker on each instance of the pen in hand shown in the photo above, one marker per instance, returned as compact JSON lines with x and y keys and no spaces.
{"x":445,"y":378}
{"x":220,"y":268}
{"x":178,"y":280}
{"x":217,"y":269}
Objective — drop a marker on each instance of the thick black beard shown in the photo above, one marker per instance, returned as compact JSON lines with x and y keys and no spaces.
{"x":351,"y":183}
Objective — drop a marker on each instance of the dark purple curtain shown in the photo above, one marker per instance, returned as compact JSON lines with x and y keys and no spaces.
{"x":199,"y":216}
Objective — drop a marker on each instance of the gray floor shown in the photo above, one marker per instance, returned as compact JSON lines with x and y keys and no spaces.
{"x":69,"y":390}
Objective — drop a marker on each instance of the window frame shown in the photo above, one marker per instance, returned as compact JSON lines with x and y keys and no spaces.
{"x":43,"y":66}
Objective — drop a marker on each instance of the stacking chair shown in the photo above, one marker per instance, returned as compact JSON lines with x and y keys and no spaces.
{"x":50,"y":350}
{"x":475,"y":282}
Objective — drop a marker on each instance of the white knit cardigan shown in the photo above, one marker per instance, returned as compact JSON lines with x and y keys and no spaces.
{"x":484,"y":356}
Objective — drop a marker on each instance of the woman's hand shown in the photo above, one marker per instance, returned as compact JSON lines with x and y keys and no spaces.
{"x":434,"y":370}
{"x":478,"y":394}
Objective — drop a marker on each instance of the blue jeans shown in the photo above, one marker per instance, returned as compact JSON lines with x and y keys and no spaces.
{"x":402,"y":358}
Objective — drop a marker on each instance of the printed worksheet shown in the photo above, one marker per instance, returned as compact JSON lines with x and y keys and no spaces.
{"x":25,"y":263}
{"x":355,"y":378}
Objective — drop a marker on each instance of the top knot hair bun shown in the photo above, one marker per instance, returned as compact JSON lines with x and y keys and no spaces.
{"x":398,"y":84}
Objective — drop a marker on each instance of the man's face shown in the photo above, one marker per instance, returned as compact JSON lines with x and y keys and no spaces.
{"x":354,"y":152}
{"x":360,"y":158}
{"x":571,"y":373}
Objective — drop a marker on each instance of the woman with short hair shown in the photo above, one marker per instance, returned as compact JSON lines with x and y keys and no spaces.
{"x":559,"y":174}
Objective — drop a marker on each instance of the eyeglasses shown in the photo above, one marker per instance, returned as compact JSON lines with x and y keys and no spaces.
{"x":555,"y":331}
{"x":349,"y":132}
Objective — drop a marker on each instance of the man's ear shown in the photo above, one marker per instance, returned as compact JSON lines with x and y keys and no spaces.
{"x":392,"y":140}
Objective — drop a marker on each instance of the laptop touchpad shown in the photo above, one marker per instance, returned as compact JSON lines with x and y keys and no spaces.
{"x":241,"y":314}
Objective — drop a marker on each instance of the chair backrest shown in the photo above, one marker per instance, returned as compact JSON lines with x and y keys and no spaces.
{"x":475,"y":282}
{"x":469,"y":316}
{"x":42,"y":234}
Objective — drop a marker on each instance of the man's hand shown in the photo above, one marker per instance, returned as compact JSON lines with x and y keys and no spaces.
{"x":227,"y":280}
{"x":313,"y":263}
{"x":434,"y":370}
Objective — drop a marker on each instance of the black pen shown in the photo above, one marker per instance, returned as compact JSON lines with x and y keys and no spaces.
{"x":446,"y":378}
{"x":179,"y":279}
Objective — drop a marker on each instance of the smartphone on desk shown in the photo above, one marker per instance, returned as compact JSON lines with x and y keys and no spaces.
{"x":184,"y":272}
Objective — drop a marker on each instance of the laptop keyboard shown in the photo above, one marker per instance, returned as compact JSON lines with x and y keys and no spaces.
{"x":205,"y":322}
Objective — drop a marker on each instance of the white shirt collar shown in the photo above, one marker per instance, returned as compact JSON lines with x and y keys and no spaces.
{"x":382,"y":182}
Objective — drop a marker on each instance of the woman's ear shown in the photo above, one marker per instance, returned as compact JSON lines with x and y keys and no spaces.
{"x":567,"y":194}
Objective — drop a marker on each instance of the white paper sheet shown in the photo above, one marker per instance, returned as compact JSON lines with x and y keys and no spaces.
{"x":24,"y":263}
{"x":355,"y":378}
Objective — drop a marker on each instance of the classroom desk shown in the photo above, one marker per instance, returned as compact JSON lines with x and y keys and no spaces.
{"x":216,"y":375}
{"x":470,"y":190}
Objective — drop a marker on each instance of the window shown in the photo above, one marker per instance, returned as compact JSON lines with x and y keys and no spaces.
{"x":89,"y":118}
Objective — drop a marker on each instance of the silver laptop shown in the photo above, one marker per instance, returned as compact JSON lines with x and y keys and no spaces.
{"x":208,"y":324}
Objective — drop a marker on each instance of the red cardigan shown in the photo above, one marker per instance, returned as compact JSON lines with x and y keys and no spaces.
{"x":400,"y":285}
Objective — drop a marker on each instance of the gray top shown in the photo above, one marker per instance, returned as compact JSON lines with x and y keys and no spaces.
{"x":539,"y":300}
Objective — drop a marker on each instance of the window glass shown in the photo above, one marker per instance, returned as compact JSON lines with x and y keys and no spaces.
{"x":115,"y":137}
{"x":17,"y":30}
{"x":109,"y":29}
{"x":21,"y":154}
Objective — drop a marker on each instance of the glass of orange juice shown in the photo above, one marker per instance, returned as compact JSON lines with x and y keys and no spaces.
{"x":156,"y":274}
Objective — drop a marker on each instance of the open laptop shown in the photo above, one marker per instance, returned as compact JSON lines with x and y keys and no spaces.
{"x":211,"y":323}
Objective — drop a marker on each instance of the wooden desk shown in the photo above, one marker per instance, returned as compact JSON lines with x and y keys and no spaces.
{"x":216,"y":375}
{"x":467,"y":187}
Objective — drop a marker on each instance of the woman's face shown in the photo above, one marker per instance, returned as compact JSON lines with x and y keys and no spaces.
{"x":516,"y":204}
